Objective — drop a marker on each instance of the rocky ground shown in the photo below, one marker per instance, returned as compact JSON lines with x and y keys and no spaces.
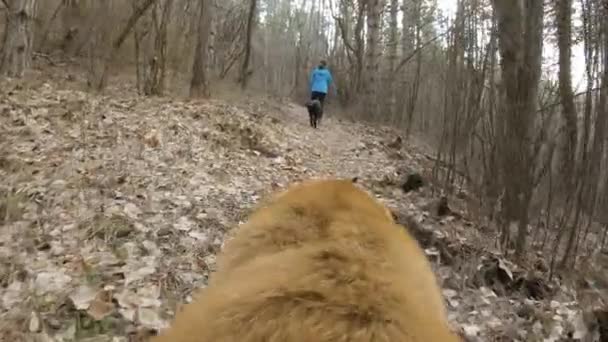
{"x":112,"y":208}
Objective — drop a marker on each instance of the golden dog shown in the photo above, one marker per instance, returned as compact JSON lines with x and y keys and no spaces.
{"x":322,"y":261}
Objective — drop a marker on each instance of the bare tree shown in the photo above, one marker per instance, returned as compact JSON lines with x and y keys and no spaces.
{"x":152,"y":68}
{"x":245,"y":72}
{"x":99,"y":75}
{"x":564,"y":41}
{"x":351,"y":23}
{"x":520,"y":47}
{"x":589,"y":178}
{"x":374,"y":18}
{"x":406,"y":49}
{"x":199,"y":85}
{"x":72,"y":22}
{"x":18,"y":43}
{"x":410,"y":105}
{"x":393,"y":43}
{"x":97,"y":45}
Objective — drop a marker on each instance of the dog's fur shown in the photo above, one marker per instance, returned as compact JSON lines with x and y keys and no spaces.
{"x":315,"y":112}
{"x":322,"y":261}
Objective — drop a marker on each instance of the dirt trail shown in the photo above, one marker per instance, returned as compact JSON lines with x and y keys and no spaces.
{"x":336,"y":148}
{"x":330,"y":139}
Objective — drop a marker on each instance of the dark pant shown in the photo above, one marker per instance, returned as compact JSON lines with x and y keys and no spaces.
{"x":315,"y":95}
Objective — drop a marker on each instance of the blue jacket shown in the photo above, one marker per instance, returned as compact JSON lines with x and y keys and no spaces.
{"x":320,"y":79}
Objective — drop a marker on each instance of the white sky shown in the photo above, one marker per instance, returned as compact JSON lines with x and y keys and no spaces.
{"x":549,"y":52}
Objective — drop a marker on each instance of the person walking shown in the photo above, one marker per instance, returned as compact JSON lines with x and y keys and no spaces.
{"x":320,"y":80}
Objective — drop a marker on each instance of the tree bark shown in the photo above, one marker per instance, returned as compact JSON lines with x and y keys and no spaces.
{"x":406,"y":50}
{"x":392,"y":57}
{"x":155,"y":56}
{"x":360,"y":46}
{"x":413,"y":98}
{"x":72,"y":19}
{"x":212,"y":56}
{"x":521,"y":51}
{"x":245,"y":72}
{"x":374,"y":17}
{"x":18,"y":40}
{"x":564,"y":42}
{"x":199,"y":85}
{"x":585,"y":178}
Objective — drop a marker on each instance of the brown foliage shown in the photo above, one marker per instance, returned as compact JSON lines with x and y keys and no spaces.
{"x":321,"y":261}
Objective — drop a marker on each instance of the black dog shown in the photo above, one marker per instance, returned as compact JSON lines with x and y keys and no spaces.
{"x":315,"y":112}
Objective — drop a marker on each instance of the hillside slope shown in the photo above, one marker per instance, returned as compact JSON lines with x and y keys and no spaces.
{"x":113,"y":208}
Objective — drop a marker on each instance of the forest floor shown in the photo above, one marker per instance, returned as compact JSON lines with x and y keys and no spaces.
{"x":113,"y":206}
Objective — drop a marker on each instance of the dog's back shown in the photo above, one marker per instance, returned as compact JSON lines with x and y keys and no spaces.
{"x":315,"y":111}
{"x":322,"y":261}
{"x":314,"y":105}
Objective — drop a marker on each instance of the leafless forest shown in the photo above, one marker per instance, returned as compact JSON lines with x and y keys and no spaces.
{"x":482,"y":101}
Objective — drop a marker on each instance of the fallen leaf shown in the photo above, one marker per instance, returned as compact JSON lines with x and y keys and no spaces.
{"x":131,"y":210}
{"x":82,"y":297}
{"x":34,"y":325}
{"x":51,"y":282}
{"x":100,"y":309}
{"x":149,"y":318}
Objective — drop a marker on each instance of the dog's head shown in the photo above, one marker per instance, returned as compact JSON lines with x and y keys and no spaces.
{"x":329,"y":195}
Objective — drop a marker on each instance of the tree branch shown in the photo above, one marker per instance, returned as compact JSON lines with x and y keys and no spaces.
{"x":415,"y":52}
{"x":341,"y":25}
{"x":138,"y":13}
{"x":130,"y":23}
{"x":559,"y":103}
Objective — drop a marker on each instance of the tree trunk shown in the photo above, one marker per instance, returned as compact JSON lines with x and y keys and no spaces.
{"x":374,"y":17}
{"x":18,"y":40}
{"x":564,"y":42}
{"x":137,"y":37}
{"x":578,"y":178}
{"x":359,"y":47}
{"x":413,"y":98}
{"x":585,"y":178}
{"x":155,"y":59}
{"x":97,"y":44}
{"x":212,"y":56}
{"x":521,"y":51}
{"x":392,"y":58}
{"x":245,"y":72}
{"x":199,"y":85}
{"x":72,"y":19}
{"x":406,"y":50}
{"x":45,"y":33}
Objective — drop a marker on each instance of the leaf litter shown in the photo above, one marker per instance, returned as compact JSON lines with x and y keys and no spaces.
{"x":113,"y":207}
